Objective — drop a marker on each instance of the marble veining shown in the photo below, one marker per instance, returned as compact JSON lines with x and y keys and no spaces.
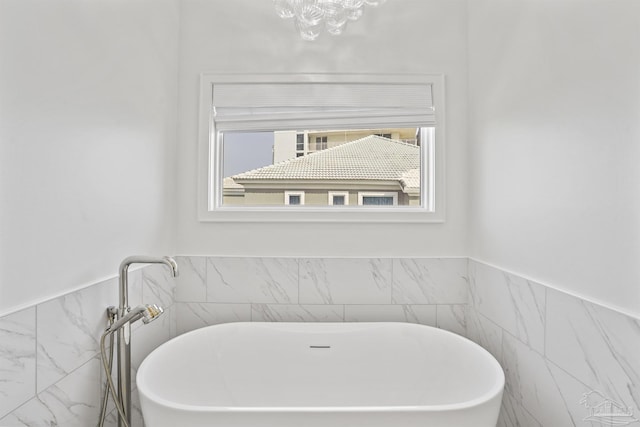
{"x":530,"y":381}
{"x":252,"y":280}
{"x":596,"y":345}
{"x":430,"y":281}
{"x":514,"y":303}
{"x":158,"y":286}
{"x":452,"y":317}
{"x":135,"y":289}
{"x":512,"y":414}
{"x":136,"y":414}
{"x":71,"y":402}
{"x":192,"y":281}
{"x":484,"y":332}
{"x":194,"y":315}
{"x":554,"y":348}
{"x":68,"y":330}
{"x":345,"y":281}
{"x":296,"y":313}
{"x":423,"y":314}
{"x":17,"y":359}
{"x":148,"y":337}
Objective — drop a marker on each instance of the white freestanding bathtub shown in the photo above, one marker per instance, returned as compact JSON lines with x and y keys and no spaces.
{"x":320,"y":375}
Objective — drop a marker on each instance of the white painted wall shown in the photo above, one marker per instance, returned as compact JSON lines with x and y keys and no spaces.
{"x":246,"y":36}
{"x":88,"y":96}
{"x":555,"y":143}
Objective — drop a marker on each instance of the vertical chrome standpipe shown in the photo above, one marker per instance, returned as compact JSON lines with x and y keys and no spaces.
{"x":124,"y":333}
{"x":124,"y":347}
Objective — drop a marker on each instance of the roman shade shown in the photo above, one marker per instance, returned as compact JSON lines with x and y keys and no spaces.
{"x":320,"y":105}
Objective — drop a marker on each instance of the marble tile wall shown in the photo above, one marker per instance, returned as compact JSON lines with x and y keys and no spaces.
{"x":563,"y":357}
{"x":50,"y":370}
{"x":432,"y":291}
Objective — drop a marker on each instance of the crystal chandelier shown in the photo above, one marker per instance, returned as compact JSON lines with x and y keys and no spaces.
{"x":311,"y":17}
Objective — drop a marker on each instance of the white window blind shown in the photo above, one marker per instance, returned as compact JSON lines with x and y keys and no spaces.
{"x":321,"y":105}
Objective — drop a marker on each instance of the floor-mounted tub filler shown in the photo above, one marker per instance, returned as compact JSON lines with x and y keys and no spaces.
{"x":119,"y":322}
{"x":320,"y":375}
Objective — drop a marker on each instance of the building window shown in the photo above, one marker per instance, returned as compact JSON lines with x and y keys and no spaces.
{"x":257,"y":133}
{"x":321,"y":143}
{"x":294,"y":198}
{"x":338,"y":198}
{"x":377,"y":199}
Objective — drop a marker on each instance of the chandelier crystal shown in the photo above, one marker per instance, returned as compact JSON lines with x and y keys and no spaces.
{"x":311,"y":17}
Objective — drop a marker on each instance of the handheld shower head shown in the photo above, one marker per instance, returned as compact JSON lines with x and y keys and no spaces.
{"x":147,"y":313}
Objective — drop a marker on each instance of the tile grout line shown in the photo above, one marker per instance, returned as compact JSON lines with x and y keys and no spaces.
{"x":36,"y":350}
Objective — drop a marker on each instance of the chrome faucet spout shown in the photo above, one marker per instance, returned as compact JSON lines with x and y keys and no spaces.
{"x":139,"y":259}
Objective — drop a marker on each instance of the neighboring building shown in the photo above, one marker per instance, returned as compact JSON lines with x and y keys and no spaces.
{"x":290,"y":144}
{"x":370,"y":171}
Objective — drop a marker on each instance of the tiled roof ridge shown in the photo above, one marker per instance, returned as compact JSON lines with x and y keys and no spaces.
{"x":323,"y":152}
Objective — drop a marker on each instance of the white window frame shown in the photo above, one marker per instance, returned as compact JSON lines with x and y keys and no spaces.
{"x":344,"y":194}
{"x":363,"y":194}
{"x":323,"y":142}
{"x":432,"y":209}
{"x":288,"y":194}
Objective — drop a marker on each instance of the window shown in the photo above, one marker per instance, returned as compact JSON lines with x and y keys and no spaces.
{"x":338,"y":198}
{"x":370,"y":135}
{"x":377,"y":199}
{"x":300,"y":142}
{"x":321,"y":143}
{"x":294,"y":198}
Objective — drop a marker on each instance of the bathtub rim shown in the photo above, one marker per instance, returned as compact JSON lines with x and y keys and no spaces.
{"x":496,"y":390}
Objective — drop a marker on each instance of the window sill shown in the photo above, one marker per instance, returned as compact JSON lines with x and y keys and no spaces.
{"x":322,"y":215}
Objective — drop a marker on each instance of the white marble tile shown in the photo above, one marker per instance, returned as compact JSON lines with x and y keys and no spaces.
{"x":135,"y":292}
{"x":69,"y":328}
{"x":544,"y":390}
{"x":190,"y":316}
{"x":74,"y":401}
{"x":17,"y":359}
{"x":345,"y":281}
{"x":296,"y":313}
{"x":423,"y":314}
{"x":135,"y":289}
{"x":452,"y":318}
{"x":137,"y":419}
{"x":252,"y":280}
{"x":111,"y":420}
{"x":515,"y":304}
{"x":173,"y":322}
{"x":147,"y":338}
{"x":103,"y":374}
{"x":598,"y":346}
{"x":512,"y":414}
{"x":158,"y":285}
{"x":136,"y":414}
{"x":430,"y":281}
{"x":484,"y":332}
{"x":191,"y":283}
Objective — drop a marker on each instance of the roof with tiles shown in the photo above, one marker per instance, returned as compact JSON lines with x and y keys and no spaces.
{"x":410,"y":180}
{"x":370,"y":158}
